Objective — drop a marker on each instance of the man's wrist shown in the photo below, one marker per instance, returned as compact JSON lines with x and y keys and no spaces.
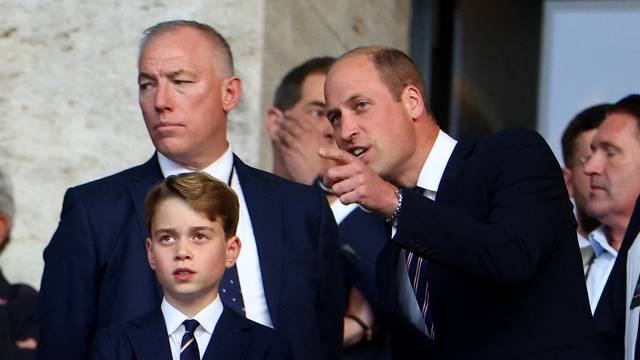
{"x":393,"y":218}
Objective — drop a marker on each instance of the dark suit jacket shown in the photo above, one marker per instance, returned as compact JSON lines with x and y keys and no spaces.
{"x":96,"y":272}
{"x":18,"y":319}
{"x":361,"y":236}
{"x":145,"y":337}
{"x":504,"y":267}
{"x":611,"y":309}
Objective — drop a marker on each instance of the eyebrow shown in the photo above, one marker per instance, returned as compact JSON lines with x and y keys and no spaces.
{"x":173,"y":230}
{"x":317,"y":103}
{"x":172,"y":74}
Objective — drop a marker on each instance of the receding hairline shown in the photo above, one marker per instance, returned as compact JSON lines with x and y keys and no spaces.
{"x":218,"y":43}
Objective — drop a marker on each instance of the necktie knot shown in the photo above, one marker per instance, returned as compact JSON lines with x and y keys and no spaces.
{"x":191,"y":325}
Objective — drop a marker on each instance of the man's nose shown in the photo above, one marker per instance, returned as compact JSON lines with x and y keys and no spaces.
{"x":348,"y":128}
{"x":593,"y":164}
{"x":163,"y":97}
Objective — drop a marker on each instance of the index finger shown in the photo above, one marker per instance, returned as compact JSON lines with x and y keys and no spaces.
{"x":339,"y":156}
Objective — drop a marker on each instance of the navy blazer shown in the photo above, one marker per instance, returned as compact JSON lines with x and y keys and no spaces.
{"x":361,"y":236}
{"x":611,"y":310}
{"x":96,"y":272}
{"x":505,"y":273}
{"x":145,"y":337}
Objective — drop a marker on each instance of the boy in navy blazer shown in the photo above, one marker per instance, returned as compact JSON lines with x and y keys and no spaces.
{"x":192,"y":220}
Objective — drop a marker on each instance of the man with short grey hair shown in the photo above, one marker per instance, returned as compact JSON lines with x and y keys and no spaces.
{"x":96,"y":271}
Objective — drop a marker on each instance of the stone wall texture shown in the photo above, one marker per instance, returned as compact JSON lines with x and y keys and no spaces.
{"x":68,"y":92}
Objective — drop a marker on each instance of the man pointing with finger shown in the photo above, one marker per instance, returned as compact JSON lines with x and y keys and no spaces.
{"x":482,"y":261}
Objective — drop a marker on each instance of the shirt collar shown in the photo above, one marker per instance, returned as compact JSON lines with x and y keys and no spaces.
{"x":219,"y":169}
{"x":433,"y":168}
{"x":598,"y":238}
{"x":207,"y":317}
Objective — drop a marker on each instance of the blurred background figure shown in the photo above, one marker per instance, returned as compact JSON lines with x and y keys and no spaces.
{"x":297,"y":127}
{"x":613,"y":169}
{"x":576,"y":148}
{"x":18,"y":303}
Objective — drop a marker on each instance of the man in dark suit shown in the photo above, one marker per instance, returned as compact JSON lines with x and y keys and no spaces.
{"x":95,"y":274}
{"x":483,"y":262}
{"x":298,"y":127}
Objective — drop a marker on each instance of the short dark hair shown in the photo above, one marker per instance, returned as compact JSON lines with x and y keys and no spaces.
{"x":629,"y":105}
{"x":207,"y":30}
{"x":396,"y":69}
{"x":588,"y":119}
{"x":206,"y":195}
{"x":289,"y":92}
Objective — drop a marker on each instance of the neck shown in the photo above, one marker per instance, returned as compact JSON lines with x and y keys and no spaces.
{"x":615,"y":235}
{"x":198,"y":163}
{"x":426,"y":135}
{"x":279,"y":167}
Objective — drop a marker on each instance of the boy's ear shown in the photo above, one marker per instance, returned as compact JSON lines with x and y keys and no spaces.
{"x":150,"y":257}
{"x":232,"y":250}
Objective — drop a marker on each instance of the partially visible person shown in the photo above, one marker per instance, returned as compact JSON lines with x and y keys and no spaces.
{"x":192,"y":220}
{"x":19,"y":321}
{"x":631,"y":269}
{"x":576,"y":148}
{"x":298,"y":127}
{"x":481,"y":261}
{"x":95,"y":274}
{"x":614,"y":170}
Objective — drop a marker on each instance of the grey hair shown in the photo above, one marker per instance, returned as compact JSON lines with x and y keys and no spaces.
{"x":161,"y":28}
{"x":7,"y":206}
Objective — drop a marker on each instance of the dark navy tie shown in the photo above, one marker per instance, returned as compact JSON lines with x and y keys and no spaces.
{"x":189,"y":345}
{"x":230,"y":291}
{"x":417,"y":268}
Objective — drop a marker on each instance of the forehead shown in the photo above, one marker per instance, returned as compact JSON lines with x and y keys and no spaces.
{"x":313,"y":87}
{"x":173,"y":212}
{"x":352,"y":74}
{"x":618,"y":128}
{"x":182,"y":45}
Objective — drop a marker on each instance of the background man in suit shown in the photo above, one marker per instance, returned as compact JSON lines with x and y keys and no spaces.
{"x":613,"y":169}
{"x":489,"y":238}
{"x":576,"y":148}
{"x":18,"y":307}
{"x":192,"y":220}
{"x":298,"y":127}
{"x":95,"y":274}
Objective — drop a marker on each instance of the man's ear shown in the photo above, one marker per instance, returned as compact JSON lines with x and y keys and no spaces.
{"x":150,"y":257}
{"x":412,"y":100}
{"x":567,"y":174}
{"x":232,"y":251}
{"x":271,"y":120}
{"x":231,"y":92}
{"x":4,"y":229}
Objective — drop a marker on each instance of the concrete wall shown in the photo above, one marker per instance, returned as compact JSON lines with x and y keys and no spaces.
{"x":68,"y":95}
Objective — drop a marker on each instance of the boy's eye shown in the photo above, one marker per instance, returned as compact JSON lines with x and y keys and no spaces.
{"x":166,"y":239}
{"x":200,"y":236}
{"x":361,"y":105}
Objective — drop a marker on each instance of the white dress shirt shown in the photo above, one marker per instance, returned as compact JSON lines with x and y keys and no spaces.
{"x":632,"y":316}
{"x":248,"y":263}
{"x":207,"y":318}
{"x":586,"y":252}
{"x":600,"y":268}
{"x":429,"y":179}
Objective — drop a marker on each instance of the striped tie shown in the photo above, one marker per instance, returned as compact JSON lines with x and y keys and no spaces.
{"x":189,"y":346}
{"x":417,"y":270}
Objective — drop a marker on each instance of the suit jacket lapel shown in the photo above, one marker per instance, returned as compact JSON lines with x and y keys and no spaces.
{"x":149,"y":339}
{"x":228,"y":341}
{"x":267,"y":220}
{"x":149,"y":175}
{"x":449,"y":180}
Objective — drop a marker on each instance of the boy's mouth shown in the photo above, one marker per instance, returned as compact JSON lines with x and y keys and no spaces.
{"x":183,"y":273}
